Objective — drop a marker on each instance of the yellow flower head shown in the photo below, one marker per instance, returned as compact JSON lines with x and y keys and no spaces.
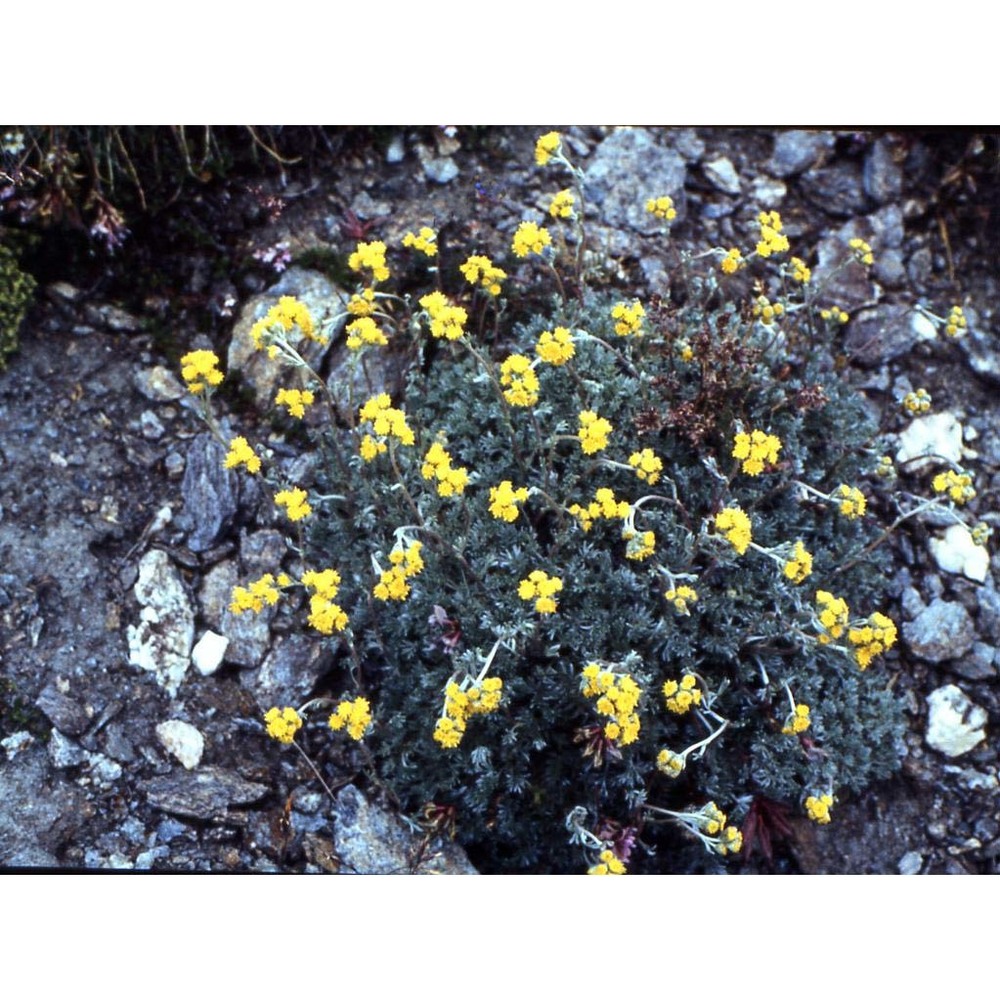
{"x":504,"y":500}
{"x":364,"y":330}
{"x":647,"y":465}
{"x":594,"y":431}
{"x":555,"y":347}
{"x":519,"y":381}
{"x":540,"y":588}
{"x":628,"y":319}
{"x":734,"y":524}
{"x":609,"y":865}
{"x":479,"y":270}
{"x":200,"y":369}
{"x":862,"y":252}
{"x":353,"y":716}
{"x":561,"y":206}
{"x":295,"y":401}
{"x":956,"y":324}
{"x":662,"y":208}
{"x":425,"y":241}
{"x":818,"y":808}
{"x":771,"y":238}
{"x":546,"y":147}
{"x":681,"y":597}
{"x":799,"y":566}
{"x":800,"y":272}
{"x":447,"y":320}
{"x":755,"y":449}
{"x":240,"y":453}
{"x":681,"y":696}
{"x":852,"y":501}
{"x":282,"y":724}
{"x":958,"y":486}
{"x":530,"y":239}
{"x":295,"y":502}
{"x":797,"y":721}
{"x":370,"y":257}
{"x":833,"y":615}
{"x":732,"y":261}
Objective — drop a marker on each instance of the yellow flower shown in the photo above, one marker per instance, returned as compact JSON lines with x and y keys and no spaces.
{"x":818,"y":809}
{"x":279,"y":320}
{"x":295,"y":502}
{"x":546,"y":147}
{"x":240,"y":453}
{"x":662,"y":208}
{"x":800,"y":565}
{"x":797,"y":721}
{"x":609,"y":865}
{"x":680,"y":597}
{"x":479,"y":270}
{"x":447,"y":320}
{"x":371,"y":257}
{"x":259,"y":593}
{"x":354,"y":716}
{"x":669,"y":763}
{"x":561,"y":206}
{"x":647,"y":465}
{"x":295,"y":401}
{"x":833,"y":616}
{"x":771,"y":238}
{"x":530,"y":239}
{"x":364,"y":330}
{"x":955,"y":325}
{"x":917,"y":402}
{"x":862,"y":252}
{"x":957,"y":485}
{"x":519,"y":381}
{"x":640,"y":545}
{"x":555,"y":346}
{"x":594,"y":431}
{"x":682,"y":696}
{"x":437,"y":465}
{"x":852,"y":501}
{"x":628,"y":319}
{"x":504,"y":500}
{"x":766,"y":312}
{"x":425,"y":241}
{"x":754,"y":449}
{"x":834,"y":315}
{"x":200,"y":370}
{"x":386,"y":421}
{"x":362,"y":303}
{"x":735,"y":525}
{"x":871,"y":638}
{"x":282,"y":724}
{"x":800,"y":272}
{"x":540,"y":587}
{"x":732,"y":261}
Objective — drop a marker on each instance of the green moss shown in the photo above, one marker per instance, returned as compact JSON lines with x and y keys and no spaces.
{"x":17,"y":290}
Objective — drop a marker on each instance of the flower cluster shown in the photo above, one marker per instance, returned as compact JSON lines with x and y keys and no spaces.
{"x":279,"y":320}
{"x":460,"y":704}
{"x":425,"y":241}
{"x":240,"y":453}
{"x":647,"y":465}
{"x":364,"y":330}
{"x":669,"y":763}
{"x":594,"y":431}
{"x":479,"y":270}
{"x":354,"y":716}
{"x":662,"y":208}
{"x":917,"y":402}
{"x":765,"y":311}
{"x":800,"y":272}
{"x":862,"y":252}
{"x":555,"y":347}
{"x":561,"y":206}
{"x":257,"y":594}
{"x":447,"y":320}
{"x":708,"y":824}
{"x":797,"y":721}
{"x":771,"y":238}
{"x":734,"y":524}
{"x":617,"y":699}
{"x":386,"y":421}
{"x":282,"y":724}
{"x":362,"y":303}
{"x":955,"y":325}
{"x":370,"y":257}
{"x":682,"y":696}
{"x":504,"y":500}
{"x":295,"y":502}
{"x":604,"y":504}
{"x":608,"y":864}
{"x":200,"y":370}
{"x":530,"y":239}
{"x":519,"y":381}
{"x":871,"y":638}
{"x":437,"y":466}
{"x":680,"y":597}
{"x":852,"y":501}
{"x":295,"y":401}
{"x":406,"y":563}
{"x":628,"y":319}
{"x":540,"y":587}
{"x":799,"y":566}
{"x":324,"y":615}
{"x":818,"y":808}
{"x":755,"y":449}
{"x":546,"y":147}
{"x":834,"y":315}
{"x":833,"y":615}
{"x":732,"y":261}
{"x":958,"y":486}
{"x":639,"y":545}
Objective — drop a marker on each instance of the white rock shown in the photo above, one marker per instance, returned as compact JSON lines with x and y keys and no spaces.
{"x":956,"y":552}
{"x":932,"y":440}
{"x":16,"y":742}
{"x":911,"y":863}
{"x":954,"y":722}
{"x":722,"y":174}
{"x":182,"y":740}
{"x":922,"y":326}
{"x":208,"y":653}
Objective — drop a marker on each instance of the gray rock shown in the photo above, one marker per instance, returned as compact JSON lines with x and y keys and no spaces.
{"x":159,"y":384}
{"x":440,"y":169}
{"x":978,"y":665}
{"x":954,"y":722}
{"x":161,"y":642}
{"x":182,"y":740}
{"x":980,"y":350}
{"x":848,"y":286}
{"x":67,"y":715}
{"x":920,"y":268}
{"x":837,"y":189}
{"x":651,"y":171}
{"x":210,"y":493}
{"x":322,"y":298}
{"x":722,"y":175}
{"x":943,"y":631}
{"x":883,"y":176}
{"x":290,"y":671}
{"x":988,"y":599}
{"x":912,"y":603}
{"x":877,"y":335}
{"x":911,"y":863}
{"x":371,"y":841}
{"x":688,"y":143}
{"x":203,"y":794}
{"x":64,"y":752}
{"x":396,"y":150}
{"x":384,"y":370}
{"x":795,"y":151}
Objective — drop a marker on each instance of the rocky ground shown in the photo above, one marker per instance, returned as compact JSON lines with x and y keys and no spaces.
{"x":120,"y":538}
